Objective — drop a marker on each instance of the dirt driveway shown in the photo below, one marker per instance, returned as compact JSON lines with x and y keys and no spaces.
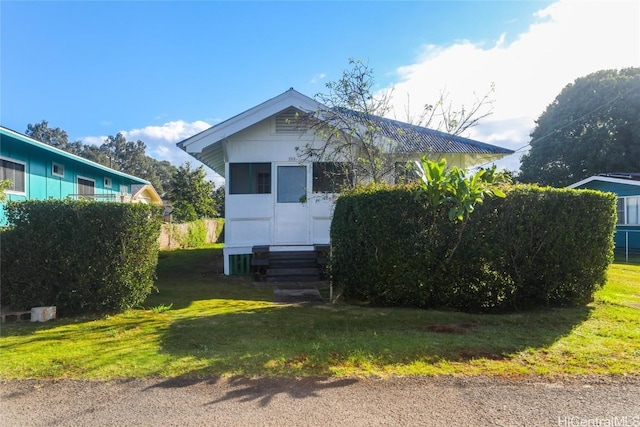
{"x":322,"y":402}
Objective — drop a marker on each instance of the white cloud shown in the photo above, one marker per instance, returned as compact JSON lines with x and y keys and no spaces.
{"x":161,"y":142}
{"x":567,"y":40}
{"x":316,"y":79}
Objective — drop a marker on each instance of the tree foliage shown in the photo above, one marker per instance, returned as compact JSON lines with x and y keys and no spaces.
{"x":5,"y":184}
{"x":191,"y":194}
{"x":592,"y":127}
{"x":352,"y":135}
{"x":116,"y":152}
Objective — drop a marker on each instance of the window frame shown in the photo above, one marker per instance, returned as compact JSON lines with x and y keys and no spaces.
{"x":83,"y":195}
{"x":259,"y":178}
{"x":625,"y":210}
{"x":22,"y":192}
{"x":331,"y":184}
{"x":108,"y":182}
{"x":53,"y":169}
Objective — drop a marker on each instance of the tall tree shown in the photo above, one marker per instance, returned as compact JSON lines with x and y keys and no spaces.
{"x":354,"y":137}
{"x":116,"y":152}
{"x":191,"y":194}
{"x":55,"y":137}
{"x":592,"y":127}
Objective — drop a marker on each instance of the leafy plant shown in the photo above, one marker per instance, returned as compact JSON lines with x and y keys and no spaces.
{"x":161,"y":308}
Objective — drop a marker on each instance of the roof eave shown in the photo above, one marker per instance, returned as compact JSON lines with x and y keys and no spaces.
{"x":47,"y":147}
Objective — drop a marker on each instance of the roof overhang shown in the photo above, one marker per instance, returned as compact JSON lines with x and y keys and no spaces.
{"x":208,"y":145}
{"x":605,"y":179}
{"x":46,"y":147}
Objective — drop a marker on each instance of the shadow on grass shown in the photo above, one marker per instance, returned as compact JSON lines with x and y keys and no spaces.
{"x":318,"y":341}
{"x":189,"y":275}
{"x":262,"y":389}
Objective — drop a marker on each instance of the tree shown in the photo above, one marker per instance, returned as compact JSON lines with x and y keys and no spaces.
{"x":55,"y":137}
{"x":352,"y":134}
{"x":461,"y":193}
{"x":5,"y":184}
{"x":592,"y":127}
{"x":116,"y":152}
{"x":218,"y":200}
{"x":190,"y":193}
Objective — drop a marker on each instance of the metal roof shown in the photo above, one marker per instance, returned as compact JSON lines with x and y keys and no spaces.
{"x":206,"y":146}
{"x":418,"y":139}
{"x":46,"y":147}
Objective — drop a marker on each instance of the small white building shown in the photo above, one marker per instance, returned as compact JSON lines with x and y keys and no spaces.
{"x":273,"y":198}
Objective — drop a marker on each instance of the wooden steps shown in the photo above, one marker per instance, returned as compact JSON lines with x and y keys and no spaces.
{"x":289,"y":265}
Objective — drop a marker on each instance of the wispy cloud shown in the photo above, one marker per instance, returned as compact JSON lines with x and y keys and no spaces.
{"x":161,"y":142}
{"x":318,"y":77}
{"x":567,"y":40}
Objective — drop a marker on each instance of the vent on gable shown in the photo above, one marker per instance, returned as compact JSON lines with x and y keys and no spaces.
{"x":290,"y":121}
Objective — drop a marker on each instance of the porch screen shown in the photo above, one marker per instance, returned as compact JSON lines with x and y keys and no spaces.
{"x":331,"y":177}
{"x":249,"y":178}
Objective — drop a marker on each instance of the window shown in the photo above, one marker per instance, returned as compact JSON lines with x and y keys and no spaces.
{"x":629,"y":210}
{"x":249,"y":178}
{"x":331,"y":177}
{"x":107,"y":182}
{"x":620,"y":210}
{"x":292,"y":184}
{"x":86,"y":187}
{"x":57,"y":169}
{"x":13,"y":171}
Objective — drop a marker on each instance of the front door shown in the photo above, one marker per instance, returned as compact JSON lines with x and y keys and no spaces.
{"x":291,"y":211}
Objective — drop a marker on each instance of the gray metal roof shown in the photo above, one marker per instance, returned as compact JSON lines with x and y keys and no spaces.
{"x":418,"y":139}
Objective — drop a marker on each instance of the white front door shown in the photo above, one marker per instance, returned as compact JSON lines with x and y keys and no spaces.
{"x":291,"y":210}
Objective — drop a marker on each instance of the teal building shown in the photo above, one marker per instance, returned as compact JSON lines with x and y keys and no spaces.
{"x":627,"y":187}
{"x":39,"y":171}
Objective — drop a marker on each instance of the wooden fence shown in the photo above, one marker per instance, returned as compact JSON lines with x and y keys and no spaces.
{"x":172,"y":236}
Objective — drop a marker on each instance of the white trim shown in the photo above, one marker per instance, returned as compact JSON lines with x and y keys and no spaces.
{"x":53,"y":169}
{"x":26,"y":176}
{"x":625,"y":211}
{"x":605,"y":179}
{"x":108,"y":182}
{"x":221,"y":131}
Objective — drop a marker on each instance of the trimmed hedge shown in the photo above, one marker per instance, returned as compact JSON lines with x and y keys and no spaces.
{"x":81,"y":256}
{"x":536,"y":247}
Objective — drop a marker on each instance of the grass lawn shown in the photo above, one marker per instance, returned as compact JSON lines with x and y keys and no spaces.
{"x":202,"y":323}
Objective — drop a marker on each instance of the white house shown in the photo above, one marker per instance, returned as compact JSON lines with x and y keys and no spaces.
{"x":277,"y":200}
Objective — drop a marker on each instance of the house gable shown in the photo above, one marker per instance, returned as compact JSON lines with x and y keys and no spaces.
{"x":620,"y":186}
{"x":212,"y":146}
{"x":209,"y":146}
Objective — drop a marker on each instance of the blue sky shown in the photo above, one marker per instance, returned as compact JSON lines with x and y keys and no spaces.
{"x":162,"y":71}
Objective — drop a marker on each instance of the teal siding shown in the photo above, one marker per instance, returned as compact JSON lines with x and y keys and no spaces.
{"x":613,"y":187}
{"x":41,"y":183}
{"x":623,"y":232}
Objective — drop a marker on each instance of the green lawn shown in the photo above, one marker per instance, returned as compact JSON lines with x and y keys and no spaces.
{"x":202,"y":323}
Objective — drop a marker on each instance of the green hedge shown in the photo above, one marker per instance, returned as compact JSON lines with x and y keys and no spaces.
{"x":536,"y":247}
{"x":80,"y":256}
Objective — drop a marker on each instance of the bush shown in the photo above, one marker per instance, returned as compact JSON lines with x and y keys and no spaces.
{"x":536,"y":247}
{"x":80,"y":256}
